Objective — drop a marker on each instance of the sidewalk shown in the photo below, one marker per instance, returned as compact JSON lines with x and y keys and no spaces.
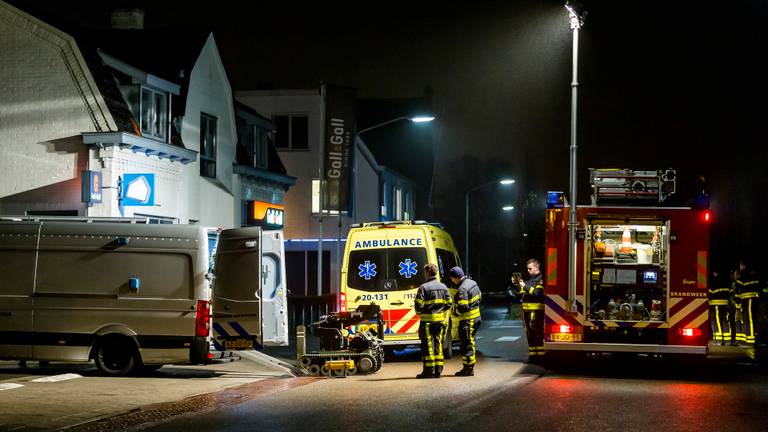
{"x":42,"y":398}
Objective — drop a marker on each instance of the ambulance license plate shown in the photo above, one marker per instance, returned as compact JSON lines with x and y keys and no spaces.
{"x":238,"y":343}
{"x":565,"y":337}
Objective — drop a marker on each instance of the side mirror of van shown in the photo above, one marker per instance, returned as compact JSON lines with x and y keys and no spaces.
{"x":134,"y":284}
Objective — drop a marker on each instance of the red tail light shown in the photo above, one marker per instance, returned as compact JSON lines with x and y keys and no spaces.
{"x":690,"y":332}
{"x":203,"y":318}
{"x":562,"y":328}
{"x":707,"y":215}
{"x":342,"y":302}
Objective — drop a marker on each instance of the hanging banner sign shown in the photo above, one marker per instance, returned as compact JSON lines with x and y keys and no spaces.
{"x":339,"y":145}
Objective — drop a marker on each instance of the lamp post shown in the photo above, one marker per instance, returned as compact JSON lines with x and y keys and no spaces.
{"x":504,"y":182}
{"x":576,"y":17}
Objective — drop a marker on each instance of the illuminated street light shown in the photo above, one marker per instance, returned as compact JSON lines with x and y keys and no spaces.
{"x":505,"y":182}
{"x":508,"y":208}
{"x":422,"y":119}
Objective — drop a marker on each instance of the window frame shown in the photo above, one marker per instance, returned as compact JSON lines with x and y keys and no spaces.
{"x":148,"y":133}
{"x":290,"y":139}
{"x":207,"y":160}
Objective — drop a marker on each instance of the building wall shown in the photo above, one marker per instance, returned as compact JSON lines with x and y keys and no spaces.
{"x":212,"y":202}
{"x":47,"y":100}
{"x":302,"y":164}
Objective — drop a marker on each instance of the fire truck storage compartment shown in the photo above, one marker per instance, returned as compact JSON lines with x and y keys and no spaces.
{"x":627,"y":263}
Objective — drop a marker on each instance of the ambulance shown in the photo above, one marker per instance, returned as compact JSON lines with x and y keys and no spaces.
{"x":384,"y":265}
{"x":641,"y":281}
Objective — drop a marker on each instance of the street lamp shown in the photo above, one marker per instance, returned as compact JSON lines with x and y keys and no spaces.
{"x":416,"y":119}
{"x":576,"y":16}
{"x":504,"y":182}
{"x":508,"y":208}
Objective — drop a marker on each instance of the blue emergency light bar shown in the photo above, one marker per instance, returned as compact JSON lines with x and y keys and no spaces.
{"x":555,"y":199}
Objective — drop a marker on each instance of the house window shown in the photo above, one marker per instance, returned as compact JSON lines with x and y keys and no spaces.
{"x":399,"y":204}
{"x":292,"y":132}
{"x":316,"y":199}
{"x":207,"y":145}
{"x":260,"y":143}
{"x":154,"y":114}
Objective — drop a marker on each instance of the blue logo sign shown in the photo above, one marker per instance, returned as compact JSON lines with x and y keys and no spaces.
{"x":91,"y":183}
{"x":138,"y":190}
{"x":408,"y":268}
{"x":367,"y":270}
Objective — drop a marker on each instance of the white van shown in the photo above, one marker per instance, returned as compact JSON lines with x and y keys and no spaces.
{"x":125,"y":295}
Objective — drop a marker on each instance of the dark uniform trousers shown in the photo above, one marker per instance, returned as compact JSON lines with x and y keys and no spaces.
{"x":748,"y":294}
{"x":467,"y":336}
{"x":533,"y":316}
{"x":720,"y":312}
{"x":432,"y":335}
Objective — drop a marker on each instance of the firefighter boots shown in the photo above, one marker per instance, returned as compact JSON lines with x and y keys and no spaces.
{"x":467,"y":370}
{"x":438,"y":371}
{"x":427,"y":373}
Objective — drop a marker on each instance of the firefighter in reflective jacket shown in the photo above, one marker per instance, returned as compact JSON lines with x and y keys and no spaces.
{"x":533,"y":308}
{"x":467,"y":311}
{"x":432,"y":303}
{"x":720,"y":293}
{"x":747,"y":292}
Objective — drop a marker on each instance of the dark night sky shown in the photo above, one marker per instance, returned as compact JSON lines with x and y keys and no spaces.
{"x":663,"y":84}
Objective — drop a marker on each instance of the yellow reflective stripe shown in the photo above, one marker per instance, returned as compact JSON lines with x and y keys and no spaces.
{"x":718,"y":302}
{"x":475,"y":298}
{"x":747,"y":283}
{"x":435,"y":317}
{"x":463,"y":302}
{"x":419,"y":301}
{"x":474,"y":313}
{"x":436,"y":301}
{"x":713,"y":291}
{"x":533,"y":306}
{"x":747,"y":295}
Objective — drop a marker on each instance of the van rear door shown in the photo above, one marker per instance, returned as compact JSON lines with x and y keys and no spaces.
{"x":237,"y":290}
{"x":274,"y":299}
{"x":18,"y":242}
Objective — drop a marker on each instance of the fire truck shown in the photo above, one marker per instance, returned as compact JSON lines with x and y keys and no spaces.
{"x":641,"y":285}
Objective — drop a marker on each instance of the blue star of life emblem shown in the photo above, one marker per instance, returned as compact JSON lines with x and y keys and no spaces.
{"x":367,"y":270}
{"x":408,"y":268}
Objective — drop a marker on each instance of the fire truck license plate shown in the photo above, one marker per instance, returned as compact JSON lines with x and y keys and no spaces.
{"x":565,"y":337}
{"x":238,"y":343}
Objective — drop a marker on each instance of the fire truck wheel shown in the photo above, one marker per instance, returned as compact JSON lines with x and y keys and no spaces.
{"x":325,"y":370}
{"x":314,"y":369}
{"x":306,"y":362}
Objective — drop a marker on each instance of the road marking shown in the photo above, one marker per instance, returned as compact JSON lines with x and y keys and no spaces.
{"x":8,"y":386}
{"x":507,"y":339}
{"x":57,"y":378}
{"x":506,"y":326}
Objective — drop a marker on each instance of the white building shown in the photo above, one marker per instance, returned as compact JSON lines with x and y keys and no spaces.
{"x":92,"y":126}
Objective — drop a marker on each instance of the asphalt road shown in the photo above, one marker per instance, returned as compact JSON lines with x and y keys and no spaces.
{"x":603,"y":395}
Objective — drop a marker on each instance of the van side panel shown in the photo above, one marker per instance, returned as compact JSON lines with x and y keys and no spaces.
{"x":82,"y":289}
{"x":17,"y":270}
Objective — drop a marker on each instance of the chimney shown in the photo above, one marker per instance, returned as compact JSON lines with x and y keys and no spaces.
{"x":127,"y":19}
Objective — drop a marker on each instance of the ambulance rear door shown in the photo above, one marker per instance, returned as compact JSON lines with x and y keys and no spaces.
{"x":237,"y":306}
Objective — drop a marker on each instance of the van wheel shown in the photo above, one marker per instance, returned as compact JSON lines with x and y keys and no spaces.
{"x":116,"y":357}
{"x":448,"y":342}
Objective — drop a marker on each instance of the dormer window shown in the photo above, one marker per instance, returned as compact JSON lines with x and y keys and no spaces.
{"x":154,"y":114}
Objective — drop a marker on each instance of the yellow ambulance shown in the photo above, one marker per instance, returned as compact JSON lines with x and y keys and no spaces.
{"x":384,"y":265}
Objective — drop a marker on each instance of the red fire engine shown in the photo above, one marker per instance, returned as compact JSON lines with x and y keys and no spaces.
{"x":641,"y":285}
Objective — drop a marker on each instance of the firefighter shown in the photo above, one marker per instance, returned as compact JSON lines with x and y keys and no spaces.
{"x":720,"y":292}
{"x":467,"y":311}
{"x":533,"y":308}
{"x":747,"y":289}
{"x":432,"y":302}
